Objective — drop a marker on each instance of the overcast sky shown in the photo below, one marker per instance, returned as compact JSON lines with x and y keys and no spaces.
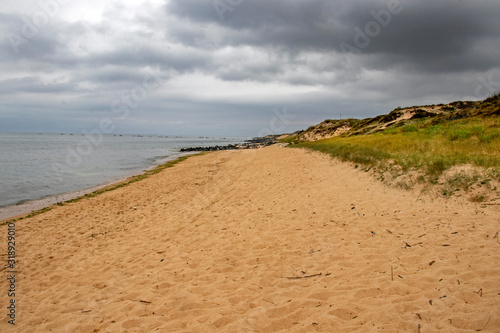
{"x":237,"y":67}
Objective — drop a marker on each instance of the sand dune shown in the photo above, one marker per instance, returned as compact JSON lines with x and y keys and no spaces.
{"x":264,"y":240}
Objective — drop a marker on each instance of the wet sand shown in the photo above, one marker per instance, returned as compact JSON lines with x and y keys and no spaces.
{"x":266,"y":240}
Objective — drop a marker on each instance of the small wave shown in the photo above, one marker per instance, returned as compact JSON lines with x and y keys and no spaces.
{"x":156,"y":158}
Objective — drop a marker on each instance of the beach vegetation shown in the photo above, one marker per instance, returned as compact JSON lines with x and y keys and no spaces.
{"x":291,"y":139}
{"x":429,"y":146}
{"x":434,"y":148}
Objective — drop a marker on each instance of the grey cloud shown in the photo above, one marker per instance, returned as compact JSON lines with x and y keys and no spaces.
{"x":32,"y":85}
{"x":433,"y":51}
{"x":113,"y":74}
{"x":14,"y":46}
{"x":439,"y":36}
{"x":167,"y":57}
{"x":424,"y":35}
{"x":294,"y":25}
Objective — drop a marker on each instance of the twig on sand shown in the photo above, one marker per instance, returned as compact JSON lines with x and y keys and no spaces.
{"x":301,"y":277}
{"x":392,"y":273}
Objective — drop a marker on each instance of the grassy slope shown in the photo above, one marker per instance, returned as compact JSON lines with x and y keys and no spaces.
{"x":429,"y":146}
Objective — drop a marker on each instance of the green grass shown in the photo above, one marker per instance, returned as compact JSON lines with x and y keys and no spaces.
{"x":409,"y":128}
{"x":112,"y":187}
{"x":291,"y":139}
{"x":421,"y":145}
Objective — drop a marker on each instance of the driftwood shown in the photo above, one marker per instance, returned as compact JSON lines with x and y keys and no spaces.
{"x":304,"y":277}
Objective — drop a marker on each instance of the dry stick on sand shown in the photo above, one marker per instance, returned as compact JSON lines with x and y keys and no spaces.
{"x":302,"y":277}
{"x":392,"y":273}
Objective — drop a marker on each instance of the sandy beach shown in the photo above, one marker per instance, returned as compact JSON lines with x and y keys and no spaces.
{"x":268,"y":240}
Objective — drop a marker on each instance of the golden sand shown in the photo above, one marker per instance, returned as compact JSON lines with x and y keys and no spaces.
{"x":265,"y":240}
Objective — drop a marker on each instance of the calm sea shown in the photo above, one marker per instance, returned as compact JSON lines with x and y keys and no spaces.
{"x":34,"y":166}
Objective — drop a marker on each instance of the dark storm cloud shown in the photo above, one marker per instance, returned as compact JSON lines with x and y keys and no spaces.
{"x":293,"y":25}
{"x":425,"y":35}
{"x":443,"y":36}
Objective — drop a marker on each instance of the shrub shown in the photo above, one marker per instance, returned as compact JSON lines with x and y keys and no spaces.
{"x":433,"y":130}
{"x":409,"y":128}
{"x":391,"y":131}
{"x":458,"y":134}
{"x":487,"y":138}
{"x":436,"y":167}
{"x":448,"y":108}
{"x":477,"y":130}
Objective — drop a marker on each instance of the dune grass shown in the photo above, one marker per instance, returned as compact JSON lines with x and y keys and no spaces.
{"x":422,"y":145}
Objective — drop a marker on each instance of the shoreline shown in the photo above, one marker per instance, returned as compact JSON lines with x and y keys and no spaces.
{"x":58,"y":171}
{"x":23,"y":209}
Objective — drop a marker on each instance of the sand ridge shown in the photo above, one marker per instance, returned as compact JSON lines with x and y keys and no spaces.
{"x":267,"y":240}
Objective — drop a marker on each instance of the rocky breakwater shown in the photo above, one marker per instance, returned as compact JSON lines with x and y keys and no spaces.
{"x":247,"y":144}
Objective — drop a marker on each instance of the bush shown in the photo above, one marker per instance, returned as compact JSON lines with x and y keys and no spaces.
{"x":409,"y":128}
{"x":391,"y":131}
{"x":433,"y":130}
{"x":448,"y":108}
{"x":477,"y":130}
{"x":458,"y":134}
{"x":487,"y":138}
{"x":436,"y":167}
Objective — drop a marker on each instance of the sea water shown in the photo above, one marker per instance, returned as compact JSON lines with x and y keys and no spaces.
{"x":38,"y":165}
